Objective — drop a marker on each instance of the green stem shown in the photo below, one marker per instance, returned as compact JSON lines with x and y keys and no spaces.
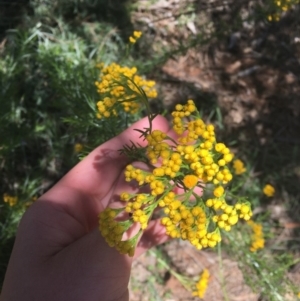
{"x":223,"y":286}
{"x":179,"y":277}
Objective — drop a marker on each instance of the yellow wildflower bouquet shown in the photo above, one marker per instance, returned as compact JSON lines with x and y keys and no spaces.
{"x":186,"y":177}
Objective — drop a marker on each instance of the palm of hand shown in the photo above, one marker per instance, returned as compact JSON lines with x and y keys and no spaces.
{"x":59,"y":253}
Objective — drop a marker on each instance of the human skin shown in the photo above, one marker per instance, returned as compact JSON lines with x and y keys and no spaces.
{"x":59,"y":253}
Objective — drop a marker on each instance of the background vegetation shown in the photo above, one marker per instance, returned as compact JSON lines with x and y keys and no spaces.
{"x":48,"y":56}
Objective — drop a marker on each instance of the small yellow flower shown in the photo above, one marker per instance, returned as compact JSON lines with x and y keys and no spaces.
{"x":132,"y":40}
{"x":202,"y":284}
{"x":258,"y":241}
{"x":219,"y":191}
{"x":239,"y":167}
{"x":78,"y":147}
{"x":135,"y":37}
{"x":269,"y":190}
{"x":190,"y":181}
{"x":219,"y":147}
{"x":137,"y":34}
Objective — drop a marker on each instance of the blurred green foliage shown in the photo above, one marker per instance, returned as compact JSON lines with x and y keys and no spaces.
{"x":47,"y":94}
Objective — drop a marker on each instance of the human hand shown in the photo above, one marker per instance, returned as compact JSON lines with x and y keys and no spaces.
{"x":59,"y":253}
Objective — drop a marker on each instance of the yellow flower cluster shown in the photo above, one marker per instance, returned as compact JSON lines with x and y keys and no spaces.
{"x":228,"y":215}
{"x":239,"y":167}
{"x":121,"y":86}
{"x":281,"y":6}
{"x":198,"y":148}
{"x":10,"y":200}
{"x":114,"y":233}
{"x":136,"y":35}
{"x":202,"y":284}
{"x":187,"y":223}
{"x":194,"y":162}
{"x":258,"y":241}
{"x":269,"y":190}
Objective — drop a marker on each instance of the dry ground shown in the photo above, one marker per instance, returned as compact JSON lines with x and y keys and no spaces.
{"x":252,"y":73}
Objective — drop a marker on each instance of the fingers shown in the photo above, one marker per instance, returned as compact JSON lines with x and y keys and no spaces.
{"x":96,"y":174}
{"x":86,"y":190}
